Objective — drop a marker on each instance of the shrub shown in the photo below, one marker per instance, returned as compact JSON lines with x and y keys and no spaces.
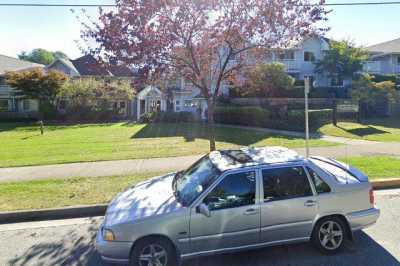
{"x":168,"y":117}
{"x":248,"y":116}
{"x":317,"y":118}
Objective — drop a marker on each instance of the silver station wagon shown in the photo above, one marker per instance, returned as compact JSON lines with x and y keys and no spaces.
{"x":234,"y":200}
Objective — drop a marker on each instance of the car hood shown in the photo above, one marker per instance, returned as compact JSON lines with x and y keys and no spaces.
{"x":149,"y":198}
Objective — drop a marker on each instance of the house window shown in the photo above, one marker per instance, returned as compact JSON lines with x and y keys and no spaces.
{"x":398,"y":62}
{"x":336,"y":81}
{"x":177,"y":106}
{"x":62,"y":104}
{"x":3,"y":105}
{"x":122,"y":105}
{"x":2,"y":81}
{"x":188,"y":103}
{"x":309,"y":57}
{"x":26,"y":105}
{"x":287,"y":55}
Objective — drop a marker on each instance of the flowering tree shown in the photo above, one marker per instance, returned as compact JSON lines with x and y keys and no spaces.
{"x":205,"y":41}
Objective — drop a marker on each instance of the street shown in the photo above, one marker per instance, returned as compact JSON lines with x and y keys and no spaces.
{"x":70,"y":242}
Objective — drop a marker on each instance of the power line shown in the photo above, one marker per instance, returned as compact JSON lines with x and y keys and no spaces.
{"x":113,"y":5}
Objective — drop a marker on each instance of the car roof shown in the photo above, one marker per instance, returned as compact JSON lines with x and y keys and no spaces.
{"x":251,"y":156}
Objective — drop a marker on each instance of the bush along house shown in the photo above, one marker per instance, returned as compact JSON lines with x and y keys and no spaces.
{"x":14,"y":106}
{"x":88,"y":67}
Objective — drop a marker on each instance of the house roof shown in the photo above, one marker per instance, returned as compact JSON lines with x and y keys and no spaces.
{"x":388,"y":47}
{"x":88,"y":66}
{"x":8,"y":63}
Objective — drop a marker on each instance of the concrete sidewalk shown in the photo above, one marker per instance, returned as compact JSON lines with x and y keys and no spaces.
{"x":126,"y":167}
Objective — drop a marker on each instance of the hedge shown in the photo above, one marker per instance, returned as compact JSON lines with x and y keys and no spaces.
{"x":247,"y":116}
{"x":259,"y":117}
{"x":168,"y":117}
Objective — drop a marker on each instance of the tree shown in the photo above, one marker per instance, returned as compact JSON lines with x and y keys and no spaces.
{"x":206,"y":42}
{"x":37,"y":84}
{"x":368,"y":93}
{"x":41,"y":56}
{"x":342,"y":60}
{"x":90,"y":98}
{"x":268,"y":80}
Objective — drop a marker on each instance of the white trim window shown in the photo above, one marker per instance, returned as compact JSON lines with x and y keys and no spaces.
{"x":309,"y":56}
{"x":286,"y":55}
{"x":177,"y":105}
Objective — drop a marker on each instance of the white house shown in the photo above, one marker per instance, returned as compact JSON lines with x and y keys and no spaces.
{"x":384,"y":58}
{"x":12,"y":105}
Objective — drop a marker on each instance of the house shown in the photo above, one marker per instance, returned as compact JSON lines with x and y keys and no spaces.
{"x":384,"y":58}
{"x":88,"y":66}
{"x":11,"y":105}
{"x":182,"y":96}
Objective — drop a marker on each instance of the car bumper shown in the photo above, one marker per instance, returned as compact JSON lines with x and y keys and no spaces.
{"x":113,"y":252}
{"x":362,"y":219}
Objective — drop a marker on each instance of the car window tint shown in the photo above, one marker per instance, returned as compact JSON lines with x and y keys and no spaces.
{"x":285,"y":183}
{"x":234,"y":191}
{"x":320,"y":185}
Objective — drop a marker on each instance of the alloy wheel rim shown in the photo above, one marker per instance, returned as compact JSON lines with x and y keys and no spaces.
{"x":153,"y":255}
{"x":331,"y":235}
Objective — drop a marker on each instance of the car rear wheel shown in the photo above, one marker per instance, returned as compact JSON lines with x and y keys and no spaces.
{"x":329,"y":235}
{"x":153,"y":252}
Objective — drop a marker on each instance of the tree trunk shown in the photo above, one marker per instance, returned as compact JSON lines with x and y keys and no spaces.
{"x":211,"y":124}
{"x":359,"y":112}
{"x":334,"y":113}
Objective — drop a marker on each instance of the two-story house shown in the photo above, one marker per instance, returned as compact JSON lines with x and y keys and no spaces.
{"x":11,"y":105}
{"x":384,"y":58}
{"x":299,"y":61}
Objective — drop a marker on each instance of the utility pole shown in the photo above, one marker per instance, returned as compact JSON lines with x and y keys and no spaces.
{"x":306,"y":92}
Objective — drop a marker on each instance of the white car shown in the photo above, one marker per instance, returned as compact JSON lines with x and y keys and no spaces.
{"x":235,"y":200}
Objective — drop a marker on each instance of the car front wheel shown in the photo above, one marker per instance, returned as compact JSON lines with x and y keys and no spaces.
{"x":329,"y":235}
{"x":153,"y":252}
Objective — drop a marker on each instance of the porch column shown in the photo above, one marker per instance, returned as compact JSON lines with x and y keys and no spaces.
{"x":138,"y":109}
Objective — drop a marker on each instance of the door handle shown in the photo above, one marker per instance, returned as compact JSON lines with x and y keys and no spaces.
{"x":310,"y":203}
{"x":250,"y":211}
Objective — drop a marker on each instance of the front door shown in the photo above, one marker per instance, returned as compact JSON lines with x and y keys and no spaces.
{"x":289,"y":206}
{"x":235,"y":215}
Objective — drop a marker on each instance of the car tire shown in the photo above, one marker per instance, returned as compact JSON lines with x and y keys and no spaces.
{"x":153,"y":248}
{"x":329,"y":235}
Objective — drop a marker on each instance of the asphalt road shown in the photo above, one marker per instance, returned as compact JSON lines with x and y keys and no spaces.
{"x":70,"y":242}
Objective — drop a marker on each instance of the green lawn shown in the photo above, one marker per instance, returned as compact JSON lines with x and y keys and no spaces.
{"x":22,"y":144}
{"x":373,"y":129}
{"x":54,"y":193}
{"x":376,"y":166}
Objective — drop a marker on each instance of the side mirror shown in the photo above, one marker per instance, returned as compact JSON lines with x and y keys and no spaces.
{"x":203,"y":209}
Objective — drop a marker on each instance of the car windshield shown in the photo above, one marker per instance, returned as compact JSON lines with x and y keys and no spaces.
{"x":188,"y":185}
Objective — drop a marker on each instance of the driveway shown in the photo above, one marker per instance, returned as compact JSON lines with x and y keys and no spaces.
{"x":70,"y":242}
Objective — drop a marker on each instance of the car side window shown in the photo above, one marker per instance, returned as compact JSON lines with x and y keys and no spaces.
{"x":285,"y":183}
{"x":233,"y":191}
{"x":320,"y":185}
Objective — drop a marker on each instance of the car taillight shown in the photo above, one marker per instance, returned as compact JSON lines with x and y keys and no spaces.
{"x":371,"y":196}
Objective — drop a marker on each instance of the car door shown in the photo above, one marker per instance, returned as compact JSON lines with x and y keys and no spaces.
{"x":234,"y":219}
{"x":288,"y":204}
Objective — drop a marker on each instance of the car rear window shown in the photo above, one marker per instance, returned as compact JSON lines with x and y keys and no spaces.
{"x":341,"y":175}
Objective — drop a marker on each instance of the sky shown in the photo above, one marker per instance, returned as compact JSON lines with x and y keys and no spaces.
{"x":57,"y":29}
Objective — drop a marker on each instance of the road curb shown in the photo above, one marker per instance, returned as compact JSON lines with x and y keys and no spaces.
{"x":386,"y":183}
{"x":100,"y":209}
{"x":53,"y":214}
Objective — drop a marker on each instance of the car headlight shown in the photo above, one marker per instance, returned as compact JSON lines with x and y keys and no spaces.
{"x":108,"y":235}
